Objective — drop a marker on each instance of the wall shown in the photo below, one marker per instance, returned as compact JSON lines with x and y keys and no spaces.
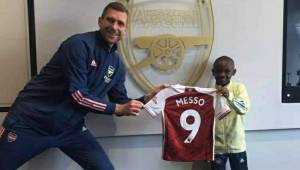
{"x":14,"y":53}
{"x":267,"y":149}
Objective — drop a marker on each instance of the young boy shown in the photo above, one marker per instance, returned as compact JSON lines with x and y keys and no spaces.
{"x":230,"y":131}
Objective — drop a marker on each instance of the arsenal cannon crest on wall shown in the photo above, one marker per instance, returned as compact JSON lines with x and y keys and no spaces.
{"x":167,"y":41}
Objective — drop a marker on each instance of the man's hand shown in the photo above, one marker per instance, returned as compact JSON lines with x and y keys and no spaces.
{"x":131,"y":108}
{"x":223,"y":91}
{"x":156,"y":89}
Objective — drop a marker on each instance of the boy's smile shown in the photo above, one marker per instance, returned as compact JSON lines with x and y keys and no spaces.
{"x":223,"y":70}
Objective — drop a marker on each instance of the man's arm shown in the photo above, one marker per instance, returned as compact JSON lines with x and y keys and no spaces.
{"x":75,"y":68}
{"x":118,"y":94}
{"x":132,"y":107}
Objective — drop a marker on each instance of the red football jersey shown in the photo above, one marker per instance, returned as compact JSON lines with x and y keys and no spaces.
{"x":188,"y":121}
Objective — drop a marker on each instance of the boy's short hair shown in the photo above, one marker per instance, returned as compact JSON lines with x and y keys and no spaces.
{"x":116,"y":6}
{"x":224,"y":58}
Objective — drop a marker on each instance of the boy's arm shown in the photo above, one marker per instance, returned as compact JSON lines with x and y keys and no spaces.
{"x":239,"y":100}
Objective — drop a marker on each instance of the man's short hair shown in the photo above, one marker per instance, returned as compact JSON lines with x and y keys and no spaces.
{"x":116,"y":6}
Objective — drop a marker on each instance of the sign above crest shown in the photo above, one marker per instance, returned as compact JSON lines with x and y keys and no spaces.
{"x":167,"y":42}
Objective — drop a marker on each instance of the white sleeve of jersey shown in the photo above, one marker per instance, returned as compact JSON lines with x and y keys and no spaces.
{"x":221,"y":109}
{"x":157,"y":103}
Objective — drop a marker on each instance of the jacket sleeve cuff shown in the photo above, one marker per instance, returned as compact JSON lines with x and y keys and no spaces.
{"x":141,"y":99}
{"x":111,"y":107}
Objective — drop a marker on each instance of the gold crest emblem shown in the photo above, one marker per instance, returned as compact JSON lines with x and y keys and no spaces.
{"x":167,"y":41}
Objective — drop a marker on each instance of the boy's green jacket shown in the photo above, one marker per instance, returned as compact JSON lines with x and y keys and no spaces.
{"x":230,"y":131}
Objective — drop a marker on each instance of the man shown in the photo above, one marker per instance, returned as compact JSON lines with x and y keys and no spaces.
{"x":49,"y":111}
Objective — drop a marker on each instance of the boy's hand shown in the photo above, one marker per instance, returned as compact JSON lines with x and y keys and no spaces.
{"x":223,"y":91}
